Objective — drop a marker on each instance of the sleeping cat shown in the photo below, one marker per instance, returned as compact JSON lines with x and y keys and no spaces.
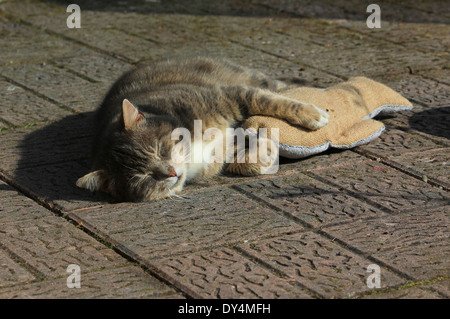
{"x":133,"y":149}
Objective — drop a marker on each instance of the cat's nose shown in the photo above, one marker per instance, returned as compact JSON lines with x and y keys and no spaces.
{"x":172,"y":172}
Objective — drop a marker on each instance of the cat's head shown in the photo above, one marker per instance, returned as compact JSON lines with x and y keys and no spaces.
{"x":134,"y":162}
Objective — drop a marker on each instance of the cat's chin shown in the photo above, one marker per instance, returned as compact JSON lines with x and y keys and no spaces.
{"x":176,"y":183}
{"x":172,"y":181}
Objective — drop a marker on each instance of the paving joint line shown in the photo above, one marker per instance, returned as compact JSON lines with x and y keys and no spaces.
{"x":407,"y":129}
{"x":23,"y":263}
{"x":7,"y":123}
{"x":73,"y":72}
{"x":295,"y":61}
{"x":263,"y":51}
{"x":433,"y":79}
{"x":131,"y":256}
{"x":404,"y":287}
{"x":42,"y":96}
{"x":442,"y":143}
{"x":102,"y":238}
{"x":322,"y":233}
{"x":37,"y":165}
{"x":225,"y":245}
{"x":277,"y":272}
{"x":355,"y":31}
{"x":289,"y":216}
{"x":350,"y":193}
{"x":422,"y":103}
{"x":406,"y":170}
{"x":137,"y":35}
{"x":67,"y":38}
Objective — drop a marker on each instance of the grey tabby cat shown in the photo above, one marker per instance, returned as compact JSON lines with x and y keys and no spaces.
{"x":132,"y":150}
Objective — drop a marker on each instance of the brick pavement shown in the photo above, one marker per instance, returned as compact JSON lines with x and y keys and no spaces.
{"x":310,"y":231}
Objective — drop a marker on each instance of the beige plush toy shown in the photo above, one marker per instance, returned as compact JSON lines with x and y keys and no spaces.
{"x":351,"y":106}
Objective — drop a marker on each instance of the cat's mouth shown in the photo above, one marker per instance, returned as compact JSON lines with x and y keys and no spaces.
{"x":174,"y":181}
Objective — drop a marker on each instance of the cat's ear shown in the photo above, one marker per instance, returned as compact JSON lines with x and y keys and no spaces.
{"x":131,"y":116}
{"x":94,"y":181}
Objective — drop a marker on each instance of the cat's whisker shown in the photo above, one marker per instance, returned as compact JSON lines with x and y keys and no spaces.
{"x":171,"y":194}
{"x":180,"y":196}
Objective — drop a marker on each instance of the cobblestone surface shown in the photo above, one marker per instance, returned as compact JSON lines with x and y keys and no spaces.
{"x":310,"y":231}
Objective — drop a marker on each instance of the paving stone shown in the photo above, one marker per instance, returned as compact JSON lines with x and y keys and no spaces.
{"x":429,"y":93}
{"x":440,"y":75}
{"x":12,"y":273}
{"x":318,"y":264}
{"x":323,"y":10}
{"x":393,"y":142}
{"x":20,"y":107}
{"x":431,"y":163}
{"x":249,"y":32}
{"x":422,"y":262}
{"x":55,"y":184}
{"x":223,"y":273}
{"x":309,"y":200}
{"x":96,"y":66}
{"x":263,"y":35}
{"x":95,"y":34}
{"x":157,"y":29}
{"x":393,"y":232}
{"x":186,"y":42}
{"x":434,"y":7}
{"x":59,"y":85}
{"x":386,"y":59}
{"x":327,"y":159}
{"x":64,"y":140}
{"x":426,"y":37}
{"x":412,"y":242}
{"x":384,"y":186}
{"x":430,"y":124}
{"x":23,"y":44}
{"x":48,"y":244}
{"x":433,"y":124}
{"x":127,"y":282}
{"x":442,"y":286}
{"x":14,"y":206}
{"x":409,"y":293}
{"x":331,"y":36}
{"x":206,"y":218}
{"x":234,"y":8}
{"x":355,"y":11}
{"x":51,"y":244}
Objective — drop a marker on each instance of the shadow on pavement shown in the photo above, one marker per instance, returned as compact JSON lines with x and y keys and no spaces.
{"x":53,"y":157}
{"x":434,"y":122}
{"x":320,"y":9}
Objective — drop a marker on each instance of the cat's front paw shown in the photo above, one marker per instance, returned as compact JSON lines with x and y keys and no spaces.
{"x":310,"y":117}
{"x":322,"y":120}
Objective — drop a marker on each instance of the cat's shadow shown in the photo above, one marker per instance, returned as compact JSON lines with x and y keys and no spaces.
{"x":434,"y":121}
{"x":53,"y":157}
